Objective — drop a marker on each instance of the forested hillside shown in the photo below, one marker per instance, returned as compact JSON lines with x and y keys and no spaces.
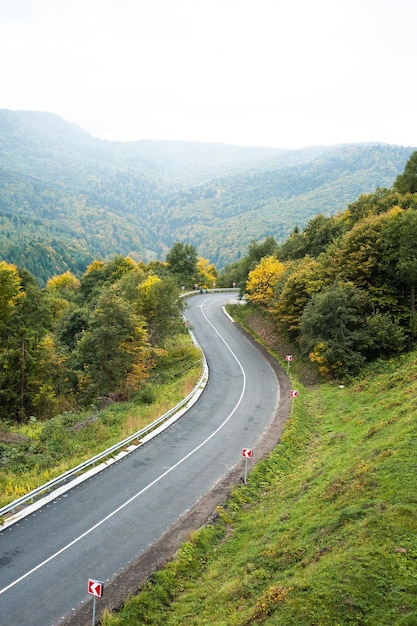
{"x":329,"y":272}
{"x":343,"y":290}
{"x":67,"y":198}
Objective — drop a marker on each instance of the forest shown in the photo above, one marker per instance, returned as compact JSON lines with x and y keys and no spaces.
{"x":68,"y":199}
{"x":91,"y":330}
{"x":78,"y":343}
{"x":342,"y":290}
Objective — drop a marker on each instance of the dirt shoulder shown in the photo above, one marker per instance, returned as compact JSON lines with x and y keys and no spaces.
{"x":128,"y":582}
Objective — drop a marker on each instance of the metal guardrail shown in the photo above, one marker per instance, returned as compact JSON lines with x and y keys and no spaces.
{"x":55,"y":482}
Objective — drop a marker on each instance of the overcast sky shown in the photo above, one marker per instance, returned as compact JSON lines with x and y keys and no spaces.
{"x":283,"y":73}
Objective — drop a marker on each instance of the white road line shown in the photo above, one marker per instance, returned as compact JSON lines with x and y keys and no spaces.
{"x":154,"y":482}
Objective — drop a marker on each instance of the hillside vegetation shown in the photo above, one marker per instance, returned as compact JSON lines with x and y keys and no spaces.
{"x":67,"y":198}
{"x":324,"y":533}
{"x":343,"y":290}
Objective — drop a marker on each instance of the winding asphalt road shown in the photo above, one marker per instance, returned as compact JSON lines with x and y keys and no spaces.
{"x":97,"y":528}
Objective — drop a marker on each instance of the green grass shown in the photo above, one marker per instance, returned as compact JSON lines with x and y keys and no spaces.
{"x":325,"y":532}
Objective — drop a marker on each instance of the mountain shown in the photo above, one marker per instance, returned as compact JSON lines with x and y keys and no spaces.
{"x":67,"y":198}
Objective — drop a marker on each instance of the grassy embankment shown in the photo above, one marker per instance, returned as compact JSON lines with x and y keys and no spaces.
{"x":325,"y":531}
{"x":33,"y":453}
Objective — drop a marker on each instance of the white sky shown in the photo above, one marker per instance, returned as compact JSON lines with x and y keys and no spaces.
{"x":283,"y":73}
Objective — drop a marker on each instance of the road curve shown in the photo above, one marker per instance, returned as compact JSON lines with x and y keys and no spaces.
{"x":97,"y":529}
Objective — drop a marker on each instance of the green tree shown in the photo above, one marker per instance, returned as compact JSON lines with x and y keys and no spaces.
{"x":358,"y":258}
{"x":160,"y":305}
{"x":381,"y":201}
{"x":332,"y":329}
{"x":70,"y":327}
{"x":26,"y":360}
{"x":399,"y":260}
{"x":101,"y":273}
{"x":294,"y":247}
{"x":407,"y":181}
{"x":9,"y":293}
{"x":182,"y":261}
{"x":316,"y":236}
{"x":383,"y":336}
{"x":113,"y":352}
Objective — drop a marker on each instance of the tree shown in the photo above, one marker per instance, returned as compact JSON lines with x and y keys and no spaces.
{"x":159,"y":303}
{"x":294,"y":247}
{"x":261,"y":282}
{"x":182,"y":260}
{"x":332,"y":329}
{"x":381,"y":201}
{"x":207,"y":273}
{"x":256,"y":251}
{"x":301,"y":281}
{"x":321,"y":231}
{"x":358,"y":258}
{"x":113,"y":352}
{"x":407,"y":181}
{"x":61,"y":291}
{"x":64,"y":284}
{"x":9,"y":293}
{"x":315,"y":238}
{"x":100,"y":273}
{"x":70,"y":327}
{"x":26,"y":365}
{"x":399,"y":260}
{"x":383,"y":336}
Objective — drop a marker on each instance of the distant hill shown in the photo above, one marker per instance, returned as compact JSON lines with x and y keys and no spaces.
{"x":67,"y":198}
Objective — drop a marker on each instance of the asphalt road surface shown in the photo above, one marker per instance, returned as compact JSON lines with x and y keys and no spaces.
{"x":97,"y":528}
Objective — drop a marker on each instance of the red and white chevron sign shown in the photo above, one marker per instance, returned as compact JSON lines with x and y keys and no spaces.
{"x":95,"y":587}
{"x":247,"y":453}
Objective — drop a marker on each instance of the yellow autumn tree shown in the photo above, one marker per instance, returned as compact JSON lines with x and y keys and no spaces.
{"x":10,"y":289}
{"x":262,"y":280}
{"x":63,"y":282}
{"x":207,"y":273}
{"x":61,"y":291}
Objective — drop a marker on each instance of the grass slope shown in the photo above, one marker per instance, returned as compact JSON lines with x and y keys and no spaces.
{"x":325,"y":532}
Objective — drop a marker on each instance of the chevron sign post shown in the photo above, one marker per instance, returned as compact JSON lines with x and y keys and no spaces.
{"x":288,"y":358}
{"x":247,"y":454}
{"x":95,"y":588}
{"x":293,"y":395}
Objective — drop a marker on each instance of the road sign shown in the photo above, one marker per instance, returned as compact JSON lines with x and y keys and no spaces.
{"x":288,"y":357}
{"x":293,"y":393}
{"x":247,"y":454}
{"x":95,"y":588}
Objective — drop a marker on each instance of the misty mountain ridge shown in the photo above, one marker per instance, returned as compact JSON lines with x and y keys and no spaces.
{"x":67,"y":198}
